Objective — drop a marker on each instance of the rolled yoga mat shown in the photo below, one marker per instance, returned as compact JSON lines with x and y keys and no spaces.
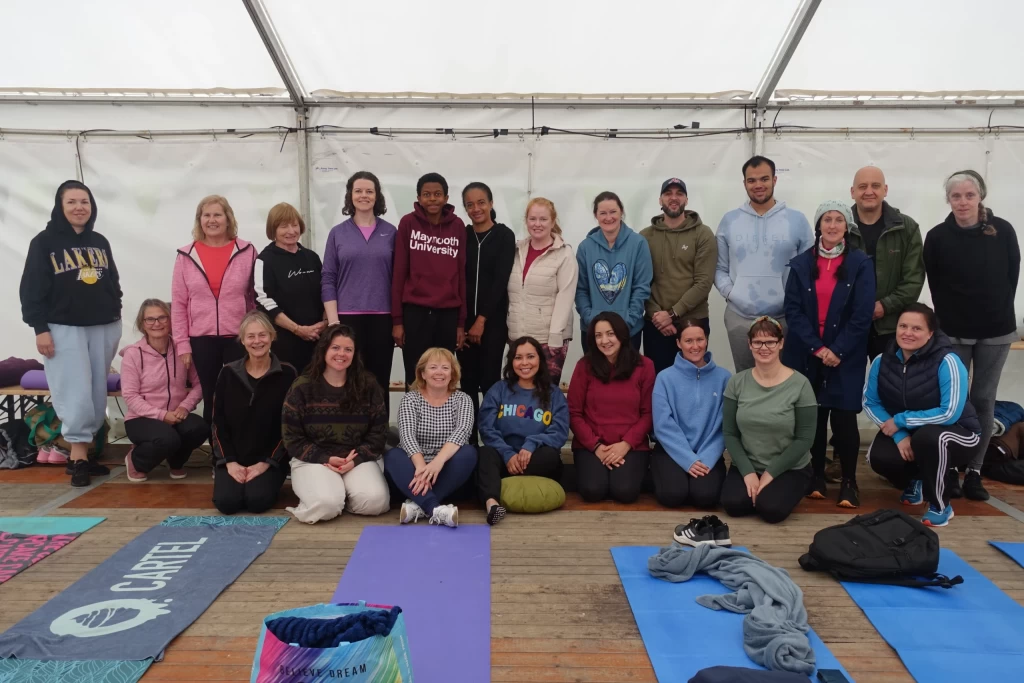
{"x":36,"y":379}
{"x":27,"y":540}
{"x":970,"y":632}
{"x":681,"y":636}
{"x":112,"y":623}
{"x":1015,"y":551}
{"x":441,"y":578}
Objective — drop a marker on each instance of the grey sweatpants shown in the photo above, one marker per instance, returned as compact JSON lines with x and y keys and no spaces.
{"x":77,"y":376}
{"x":736,"y":328}
{"x":988,"y":361}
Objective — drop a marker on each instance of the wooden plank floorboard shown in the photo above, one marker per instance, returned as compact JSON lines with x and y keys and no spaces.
{"x":558,"y":611}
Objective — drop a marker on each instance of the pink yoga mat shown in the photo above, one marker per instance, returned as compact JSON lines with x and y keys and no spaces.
{"x":441,"y":578}
{"x":36,"y":379}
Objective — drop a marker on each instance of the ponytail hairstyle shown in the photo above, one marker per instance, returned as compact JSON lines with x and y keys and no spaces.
{"x":556,"y":229}
{"x":541,"y":381}
{"x":486,"y":190}
{"x":609,"y":196}
{"x":973,"y":177}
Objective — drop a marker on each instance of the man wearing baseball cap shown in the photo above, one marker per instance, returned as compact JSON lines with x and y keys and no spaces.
{"x":684,"y":253}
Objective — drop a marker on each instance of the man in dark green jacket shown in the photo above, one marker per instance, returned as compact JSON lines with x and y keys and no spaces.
{"x":684,"y":254}
{"x":893,"y":240}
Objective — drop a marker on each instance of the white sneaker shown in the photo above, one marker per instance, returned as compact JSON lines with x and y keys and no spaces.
{"x":448,"y":515}
{"x":411,"y":512}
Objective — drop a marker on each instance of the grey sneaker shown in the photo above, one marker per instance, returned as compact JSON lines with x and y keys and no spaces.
{"x":410,"y":513}
{"x":447,"y":515}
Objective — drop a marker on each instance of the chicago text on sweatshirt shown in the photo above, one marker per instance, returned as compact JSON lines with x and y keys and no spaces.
{"x":430,"y":263}
{"x":688,"y":411}
{"x":614,"y":279}
{"x":754,"y":254}
{"x":69,"y":278}
{"x":511,"y":419}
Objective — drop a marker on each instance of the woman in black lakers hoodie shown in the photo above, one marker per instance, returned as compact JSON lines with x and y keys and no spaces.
{"x":71,"y":297}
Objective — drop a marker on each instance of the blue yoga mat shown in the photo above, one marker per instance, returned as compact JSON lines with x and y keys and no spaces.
{"x":669,"y":617}
{"x":1015,"y":551}
{"x":971,"y":632}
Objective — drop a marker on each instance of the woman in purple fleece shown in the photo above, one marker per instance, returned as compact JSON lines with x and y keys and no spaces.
{"x":356,"y":283}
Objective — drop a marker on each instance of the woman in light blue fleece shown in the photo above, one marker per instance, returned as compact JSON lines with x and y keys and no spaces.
{"x":523,"y":423}
{"x":615,"y":270}
{"x":756,"y":242}
{"x":687,"y":463}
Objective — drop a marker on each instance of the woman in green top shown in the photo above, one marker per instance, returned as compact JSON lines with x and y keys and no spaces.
{"x":768,"y":422}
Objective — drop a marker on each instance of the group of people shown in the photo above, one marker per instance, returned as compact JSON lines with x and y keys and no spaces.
{"x":291,"y":355}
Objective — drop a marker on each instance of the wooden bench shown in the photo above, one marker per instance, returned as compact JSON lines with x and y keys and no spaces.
{"x":17,"y":399}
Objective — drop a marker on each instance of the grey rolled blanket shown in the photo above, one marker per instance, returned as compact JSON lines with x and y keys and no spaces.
{"x":775,"y":628}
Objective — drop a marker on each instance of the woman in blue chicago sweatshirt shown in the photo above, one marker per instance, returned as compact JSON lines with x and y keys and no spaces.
{"x":615,"y":270}
{"x":687,"y":463}
{"x":523,"y":423}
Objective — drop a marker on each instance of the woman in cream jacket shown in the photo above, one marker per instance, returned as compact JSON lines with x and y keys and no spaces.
{"x":542,"y":286}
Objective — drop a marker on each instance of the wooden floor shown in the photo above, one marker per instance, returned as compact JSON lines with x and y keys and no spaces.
{"x":558,"y":610}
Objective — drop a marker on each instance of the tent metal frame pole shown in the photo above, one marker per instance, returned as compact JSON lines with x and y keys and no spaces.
{"x":787,"y":47}
{"x":301,"y":123}
{"x":275,"y":48}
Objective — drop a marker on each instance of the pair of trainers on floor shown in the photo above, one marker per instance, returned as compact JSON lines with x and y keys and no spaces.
{"x":135,"y":476}
{"x":708,"y":530}
{"x":444,"y":515}
{"x":849,"y":494}
{"x":972,"y":489}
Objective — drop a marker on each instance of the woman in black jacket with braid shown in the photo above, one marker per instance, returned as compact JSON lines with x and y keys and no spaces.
{"x":490,"y":251}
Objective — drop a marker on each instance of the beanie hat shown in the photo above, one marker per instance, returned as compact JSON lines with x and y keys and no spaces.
{"x":834,"y":205}
{"x":977,"y":176}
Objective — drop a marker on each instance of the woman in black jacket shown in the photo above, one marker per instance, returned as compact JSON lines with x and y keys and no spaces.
{"x":251,"y":461}
{"x":490,"y":251}
{"x":972,"y":260}
{"x":287,"y":280}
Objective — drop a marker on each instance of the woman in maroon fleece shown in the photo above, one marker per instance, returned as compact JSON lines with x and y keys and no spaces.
{"x":428,"y":283}
{"x":610,"y":413}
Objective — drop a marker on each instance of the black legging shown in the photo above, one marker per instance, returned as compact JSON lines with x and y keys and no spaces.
{"x":481,"y":365}
{"x":673,"y":486}
{"x":845,"y":441}
{"x":154,"y":441}
{"x":210,"y":354}
{"x":774,"y":503}
{"x":937,"y":448}
{"x":595,"y":481}
{"x":491,"y":469}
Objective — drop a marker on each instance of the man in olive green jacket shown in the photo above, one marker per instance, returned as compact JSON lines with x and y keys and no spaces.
{"x":893,"y":240}
{"x":684,"y":253}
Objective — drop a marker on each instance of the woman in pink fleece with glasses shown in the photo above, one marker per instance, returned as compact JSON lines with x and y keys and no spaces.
{"x":161,"y":394}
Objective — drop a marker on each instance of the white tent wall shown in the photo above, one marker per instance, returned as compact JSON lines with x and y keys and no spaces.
{"x":78,"y":116}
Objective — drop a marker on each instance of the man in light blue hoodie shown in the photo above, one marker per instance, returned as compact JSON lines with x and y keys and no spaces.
{"x":755,"y":245}
{"x":615,"y":270}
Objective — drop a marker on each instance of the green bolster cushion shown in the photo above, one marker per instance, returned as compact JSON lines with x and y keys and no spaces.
{"x":531,"y":494}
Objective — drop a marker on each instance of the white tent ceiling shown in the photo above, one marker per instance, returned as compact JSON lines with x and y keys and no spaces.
{"x":697,"y":48}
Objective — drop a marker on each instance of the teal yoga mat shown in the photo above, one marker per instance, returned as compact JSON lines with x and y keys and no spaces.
{"x":970,"y":632}
{"x":681,"y":636}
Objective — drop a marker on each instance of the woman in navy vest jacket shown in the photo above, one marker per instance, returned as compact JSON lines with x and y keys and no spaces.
{"x":830,"y":300}
{"x":917,"y":395}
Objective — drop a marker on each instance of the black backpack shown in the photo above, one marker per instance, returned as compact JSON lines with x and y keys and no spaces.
{"x":885,"y":546}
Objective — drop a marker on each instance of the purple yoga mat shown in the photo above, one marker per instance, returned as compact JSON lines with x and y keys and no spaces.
{"x":36,"y":379}
{"x":441,"y":578}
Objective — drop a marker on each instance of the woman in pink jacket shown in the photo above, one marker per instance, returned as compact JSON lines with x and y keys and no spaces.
{"x":161,"y":394}
{"x":211,"y":291}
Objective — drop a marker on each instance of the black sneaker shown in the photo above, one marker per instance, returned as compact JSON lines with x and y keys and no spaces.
{"x":495,"y":514}
{"x":95,"y":469}
{"x":697,"y":533}
{"x":79,"y":473}
{"x":720,"y":530}
{"x":953,"y":484}
{"x":817,"y":489}
{"x":849,"y":494}
{"x":973,"y":488}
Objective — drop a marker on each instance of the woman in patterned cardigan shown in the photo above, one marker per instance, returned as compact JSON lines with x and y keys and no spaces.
{"x":334,"y":425}
{"x":433,"y":458}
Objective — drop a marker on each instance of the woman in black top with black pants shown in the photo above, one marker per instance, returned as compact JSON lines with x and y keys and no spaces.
{"x":490,"y":251}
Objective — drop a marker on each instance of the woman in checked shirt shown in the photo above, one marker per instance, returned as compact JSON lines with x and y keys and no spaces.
{"x":433,"y":458}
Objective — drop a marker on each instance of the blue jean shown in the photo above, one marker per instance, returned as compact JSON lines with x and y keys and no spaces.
{"x":456,"y":472}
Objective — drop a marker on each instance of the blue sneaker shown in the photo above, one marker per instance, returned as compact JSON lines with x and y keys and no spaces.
{"x":913,"y":494}
{"x":936,"y":517}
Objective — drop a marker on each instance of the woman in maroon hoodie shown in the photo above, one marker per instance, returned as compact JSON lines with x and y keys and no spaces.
{"x":428,"y":283}
{"x":610,"y":413}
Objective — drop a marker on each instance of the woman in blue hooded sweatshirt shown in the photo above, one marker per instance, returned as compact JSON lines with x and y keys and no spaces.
{"x":687,"y":463}
{"x":615,"y":270}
